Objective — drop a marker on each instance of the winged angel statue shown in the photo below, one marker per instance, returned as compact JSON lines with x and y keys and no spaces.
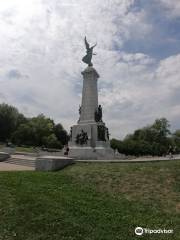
{"x":89,"y":52}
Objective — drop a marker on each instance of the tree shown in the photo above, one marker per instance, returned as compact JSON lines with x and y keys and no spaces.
{"x":52,"y":142}
{"x":23,"y":135}
{"x":161,"y":129}
{"x":151,"y":140}
{"x":10,"y":119}
{"x":61,"y":134}
{"x":40,"y":131}
{"x":41,"y":127}
{"x":115,"y":143}
{"x":176,"y":140}
{"x":34,"y":131}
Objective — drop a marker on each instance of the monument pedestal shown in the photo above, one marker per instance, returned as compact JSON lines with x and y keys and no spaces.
{"x":89,"y":138}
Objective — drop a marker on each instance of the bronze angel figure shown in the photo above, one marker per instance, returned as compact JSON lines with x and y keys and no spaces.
{"x":89,"y":52}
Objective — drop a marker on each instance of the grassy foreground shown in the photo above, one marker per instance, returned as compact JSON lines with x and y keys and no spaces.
{"x":89,"y":201}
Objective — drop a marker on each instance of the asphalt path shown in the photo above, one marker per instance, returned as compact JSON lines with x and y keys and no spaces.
{"x":13,"y":167}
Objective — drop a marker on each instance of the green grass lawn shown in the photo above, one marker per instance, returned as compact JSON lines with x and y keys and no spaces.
{"x":25,"y":149}
{"x":20,"y":149}
{"x":89,"y":201}
{"x":1,"y":146}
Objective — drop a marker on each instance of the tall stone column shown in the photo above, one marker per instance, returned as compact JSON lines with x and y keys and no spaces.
{"x":89,"y":102}
{"x":89,"y":138}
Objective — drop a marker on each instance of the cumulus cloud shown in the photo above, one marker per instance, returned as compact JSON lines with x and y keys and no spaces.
{"x":143,"y":93}
{"x":42,"y":46}
{"x":172,"y":7}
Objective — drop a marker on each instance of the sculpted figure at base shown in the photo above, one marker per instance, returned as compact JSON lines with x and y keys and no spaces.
{"x":82,"y":138}
{"x":98,"y":114}
{"x":70,"y":134}
{"x":79,"y":110}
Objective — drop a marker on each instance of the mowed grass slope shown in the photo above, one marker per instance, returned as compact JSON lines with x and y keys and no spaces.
{"x":89,"y":201}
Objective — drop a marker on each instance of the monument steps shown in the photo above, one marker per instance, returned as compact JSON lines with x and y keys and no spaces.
{"x":21,"y":161}
{"x":4,"y":156}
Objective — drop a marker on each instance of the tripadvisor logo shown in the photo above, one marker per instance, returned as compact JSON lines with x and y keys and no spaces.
{"x":140,"y":231}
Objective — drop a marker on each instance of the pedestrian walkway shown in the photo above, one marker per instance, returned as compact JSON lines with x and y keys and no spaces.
{"x":27,"y":163}
{"x":13,"y":167}
{"x":18,"y":162}
{"x":135,"y":160}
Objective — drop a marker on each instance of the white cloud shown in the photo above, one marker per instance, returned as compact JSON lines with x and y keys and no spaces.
{"x":172,"y":7}
{"x":142,"y":93}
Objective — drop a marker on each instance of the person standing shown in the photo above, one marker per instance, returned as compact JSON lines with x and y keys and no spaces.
{"x":66,"y":150}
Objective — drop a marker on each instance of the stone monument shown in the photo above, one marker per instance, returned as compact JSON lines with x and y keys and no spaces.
{"x":89,"y":138}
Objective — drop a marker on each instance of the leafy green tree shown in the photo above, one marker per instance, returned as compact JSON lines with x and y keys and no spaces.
{"x":151,"y":140}
{"x":10,"y":119}
{"x":51,"y":141}
{"x":177,"y":133}
{"x":24,"y":135}
{"x":61,"y":134}
{"x":161,"y":129}
{"x":41,"y":127}
{"x":176,"y":140}
{"x":40,"y":131}
{"x":34,"y":131}
{"x":117,"y":145}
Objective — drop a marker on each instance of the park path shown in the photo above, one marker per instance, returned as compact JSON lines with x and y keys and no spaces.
{"x":13,"y":167}
{"x":135,"y":160}
{"x":19,"y":162}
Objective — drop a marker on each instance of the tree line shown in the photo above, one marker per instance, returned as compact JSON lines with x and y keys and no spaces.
{"x":154,"y":140}
{"x":36,"y":131}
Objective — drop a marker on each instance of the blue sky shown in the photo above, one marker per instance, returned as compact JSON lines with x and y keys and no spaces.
{"x":138,"y":59}
{"x":164,"y":39}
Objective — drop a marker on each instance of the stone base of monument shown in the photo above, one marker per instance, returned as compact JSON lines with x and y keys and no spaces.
{"x":89,"y":153}
{"x":94,"y":148}
{"x":52,"y":163}
{"x":4,"y":156}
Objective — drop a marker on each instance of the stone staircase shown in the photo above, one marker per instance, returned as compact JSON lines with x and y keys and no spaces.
{"x":22,"y":160}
